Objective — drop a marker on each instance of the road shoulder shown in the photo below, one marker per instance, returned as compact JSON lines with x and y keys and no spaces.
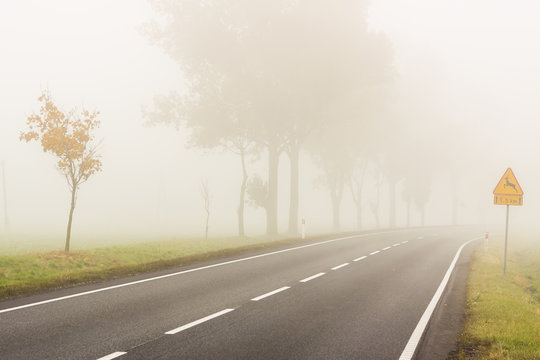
{"x":447,"y":321}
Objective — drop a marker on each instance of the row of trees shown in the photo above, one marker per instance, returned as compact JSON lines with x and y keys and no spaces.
{"x":278,"y":77}
{"x":274,"y":78}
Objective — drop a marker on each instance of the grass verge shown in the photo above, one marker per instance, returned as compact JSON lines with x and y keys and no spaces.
{"x":27,"y":273}
{"x":503,"y":312}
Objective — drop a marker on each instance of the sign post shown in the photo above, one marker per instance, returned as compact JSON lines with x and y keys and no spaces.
{"x":508,"y":192}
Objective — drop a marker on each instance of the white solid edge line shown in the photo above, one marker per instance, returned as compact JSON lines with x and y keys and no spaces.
{"x":270,"y":293}
{"x":410,"y":348}
{"x":340,"y":266}
{"x":386,"y":248}
{"x":312,"y":277}
{"x":190,"y":270}
{"x":197,"y":322}
{"x":375,"y":252}
{"x":112,"y":356}
{"x":360,"y":258}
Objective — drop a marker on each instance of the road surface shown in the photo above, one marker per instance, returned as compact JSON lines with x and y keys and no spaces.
{"x":342,"y":297}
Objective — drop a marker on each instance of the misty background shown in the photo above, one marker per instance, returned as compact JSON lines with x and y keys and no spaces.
{"x":459,"y":108}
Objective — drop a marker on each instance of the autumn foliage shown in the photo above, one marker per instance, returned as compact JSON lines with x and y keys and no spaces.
{"x":69,"y":137}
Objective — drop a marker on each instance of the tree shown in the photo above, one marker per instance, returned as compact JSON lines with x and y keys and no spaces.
{"x":356,"y":184}
{"x":257,"y":192}
{"x":332,"y":157}
{"x":69,"y":137}
{"x":374,"y":205}
{"x":214,"y":124}
{"x":205,"y":193}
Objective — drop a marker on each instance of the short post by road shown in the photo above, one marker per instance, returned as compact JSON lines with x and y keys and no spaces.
{"x":303,"y":228}
{"x":507,"y":192}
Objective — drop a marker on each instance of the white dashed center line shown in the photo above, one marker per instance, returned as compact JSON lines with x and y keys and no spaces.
{"x":375,"y":252}
{"x":112,"y":356}
{"x":340,"y":266}
{"x":270,"y":293}
{"x":386,"y":248}
{"x":200,"y":321}
{"x":312,"y":277}
{"x":404,"y":242}
{"x":360,"y":258}
{"x":396,"y":244}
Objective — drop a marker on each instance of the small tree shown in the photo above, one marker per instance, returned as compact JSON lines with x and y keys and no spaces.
{"x":257,"y":192}
{"x":205,"y":193}
{"x":68,"y":136}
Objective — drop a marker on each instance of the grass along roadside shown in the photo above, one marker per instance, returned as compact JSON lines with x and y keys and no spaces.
{"x":27,"y":273}
{"x":503,"y":312}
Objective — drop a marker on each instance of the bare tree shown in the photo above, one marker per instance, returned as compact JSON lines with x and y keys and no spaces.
{"x":205,"y":193}
{"x":356,"y":184}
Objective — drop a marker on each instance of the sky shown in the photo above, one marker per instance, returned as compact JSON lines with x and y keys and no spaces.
{"x":481,"y":56}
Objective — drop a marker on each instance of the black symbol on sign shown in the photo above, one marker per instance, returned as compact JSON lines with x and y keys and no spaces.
{"x":509,"y":184}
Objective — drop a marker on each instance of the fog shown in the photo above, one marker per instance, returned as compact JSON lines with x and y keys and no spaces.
{"x":449,"y":101}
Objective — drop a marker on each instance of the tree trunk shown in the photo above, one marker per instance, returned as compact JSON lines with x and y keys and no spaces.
{"x":336,"y":205}
{"x":408,"y":213}
{"x":294,"y":156}
{"x":358,"y":216}
{"x":241,"y":203}
{"x":358,"y":202}
{"x":271,"y":213}
{"x":375,"y":206}
{"x":207,"y":221}
{"x":392,"y":194}
{"x":72,"y":208}
{"x":454,"y":202}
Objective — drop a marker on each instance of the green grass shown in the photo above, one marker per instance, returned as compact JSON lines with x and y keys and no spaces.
{"x":503,"y":312}
{"x":30,"y":272}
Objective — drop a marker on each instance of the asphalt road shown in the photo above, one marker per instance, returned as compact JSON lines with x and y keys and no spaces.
{"x":354,"y":297}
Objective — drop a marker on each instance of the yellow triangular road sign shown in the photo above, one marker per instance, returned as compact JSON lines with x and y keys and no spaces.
{"x":508,"y":185}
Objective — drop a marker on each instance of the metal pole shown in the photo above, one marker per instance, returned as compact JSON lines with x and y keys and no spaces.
{"x":506,"y":237}
{"x":6,"y":221}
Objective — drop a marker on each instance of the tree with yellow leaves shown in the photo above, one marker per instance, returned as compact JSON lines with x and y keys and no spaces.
{"x":69,"y":137}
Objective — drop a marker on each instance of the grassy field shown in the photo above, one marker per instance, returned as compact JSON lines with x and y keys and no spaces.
{"x":503,"y":312}
{"x":24,"y":272}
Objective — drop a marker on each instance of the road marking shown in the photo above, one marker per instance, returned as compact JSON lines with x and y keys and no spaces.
{"x":386,"y":248}
{"x":340,"y":266}
{"x":113,"y":355}
{"x":312,"y":277}
{"x":420,"y":238}
{"x":404,"y":242}
{"x":396,"y":244}
{"x":190,"y":271}
{"x":360,"y":258}
{"x":270,"y":293}
{"x":375,"y":252}
{"x":200,"y":321}
{"x":418,"y":332}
